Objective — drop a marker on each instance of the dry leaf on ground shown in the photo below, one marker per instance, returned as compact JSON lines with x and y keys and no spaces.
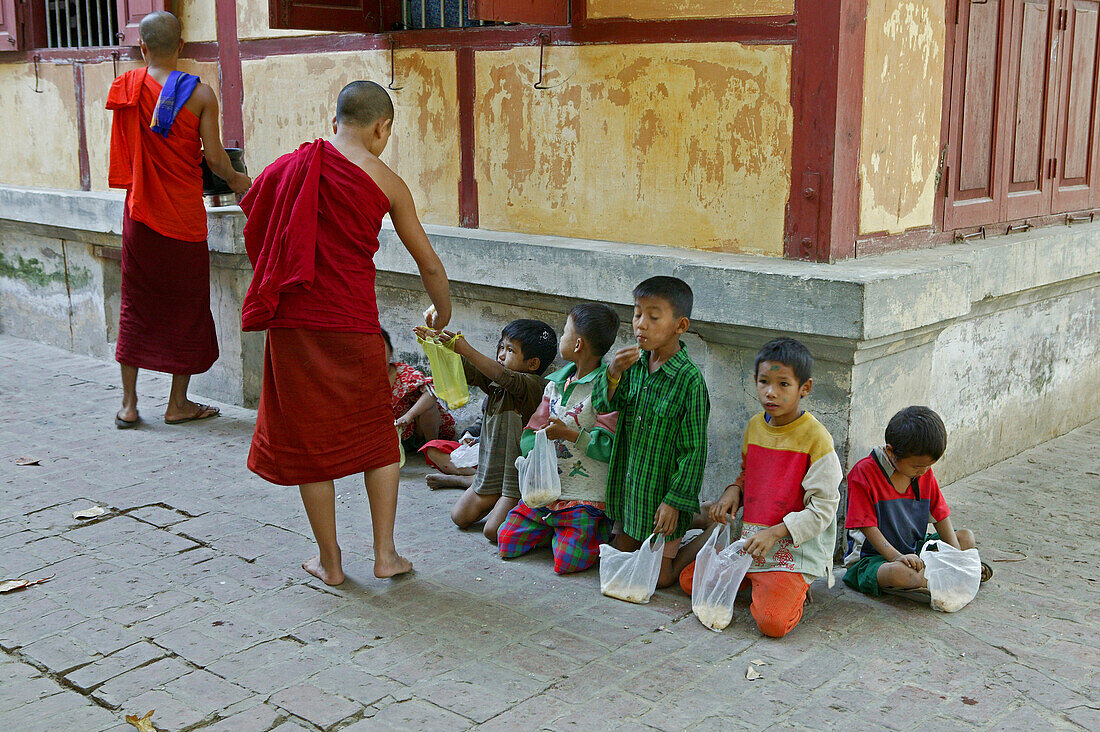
{"x":144,"y":724}
{"x":18,"y":584}
{"x":759,"y":662}
{"x":87,"y":513}
{"x":752,"y":674}
{"x":27,"y":461}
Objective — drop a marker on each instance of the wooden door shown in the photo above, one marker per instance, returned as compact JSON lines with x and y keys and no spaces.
{"x":351,"y":16}
{"x":9,"y":26}
{"x":1075,"y":164}
{"x":973,"y":189}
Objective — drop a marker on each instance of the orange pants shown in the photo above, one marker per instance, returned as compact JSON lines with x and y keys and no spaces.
{"x":777,"y":598}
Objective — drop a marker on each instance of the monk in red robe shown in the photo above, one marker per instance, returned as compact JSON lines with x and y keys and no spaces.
{"x":160,"y":117}
{"x":313,"y":221}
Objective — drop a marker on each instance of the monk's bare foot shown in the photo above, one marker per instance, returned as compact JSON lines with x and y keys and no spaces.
{"x":127,"y":414}
{"x":390,"y":565}
{"x":189,"y":412}
{"x":436,"y":481}
{"x":330,"y":576}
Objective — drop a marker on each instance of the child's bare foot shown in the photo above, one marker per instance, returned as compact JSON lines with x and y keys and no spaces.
{"x":330,"y":576}
{"x":390,"y":565}
{"x":436,"y":481}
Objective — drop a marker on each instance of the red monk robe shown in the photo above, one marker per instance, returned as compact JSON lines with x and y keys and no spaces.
{"x":312,"y":231}
{"x":165,"y":322}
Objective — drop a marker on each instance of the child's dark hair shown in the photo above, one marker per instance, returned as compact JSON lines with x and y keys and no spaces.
{"x":917,"y":431}
{"x":535,"y":338}
{"x":788,"y":352}
{"x":386,"y":338}
{"x":597,"y":324}
{"x":672,"y":290}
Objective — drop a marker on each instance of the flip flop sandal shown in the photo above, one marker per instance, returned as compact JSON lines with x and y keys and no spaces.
{"x":123,"y":424}
{"x":920,"y":595}
{"x":987,"y":572}
{"x":199,"y":415}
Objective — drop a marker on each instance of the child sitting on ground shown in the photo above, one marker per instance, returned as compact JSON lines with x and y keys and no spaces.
{"x":892,"y":496}
{"x":660,"y":450}
{"x":416,"y":411}
{"x":514,"y":385}
{"x":789,"y":486}
{"x":576,"y":522}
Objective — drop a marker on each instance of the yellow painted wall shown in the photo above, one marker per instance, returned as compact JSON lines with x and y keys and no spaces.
{"x":902,"y":105}
{"x":654,"y":9}
{"x":197,"y":18}
{"x":424,"y":148}
{"x":687,"y":145}
{"x":39,"y":144}
{"x":97,"y":120}
{"x":253,"y":21}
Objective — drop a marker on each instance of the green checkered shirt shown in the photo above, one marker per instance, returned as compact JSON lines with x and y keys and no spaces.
{"x":660,"y":443}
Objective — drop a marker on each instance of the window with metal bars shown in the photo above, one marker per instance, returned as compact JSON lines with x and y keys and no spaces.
{"x":80,"y":23}
{"x":439,"y":14}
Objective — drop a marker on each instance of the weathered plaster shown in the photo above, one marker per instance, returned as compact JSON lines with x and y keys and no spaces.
{"x":198,"y":18}
{"x":424,"y":147}
{"x":654,"y":9}
{"x":902,"y":105}
{"x":97,"y":119}
{"x":39,"y":145}
{"x":254,"y":21}
{"x":685,"y":145}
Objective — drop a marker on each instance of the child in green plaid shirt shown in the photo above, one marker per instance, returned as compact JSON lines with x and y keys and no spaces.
{"x":660,"y":450}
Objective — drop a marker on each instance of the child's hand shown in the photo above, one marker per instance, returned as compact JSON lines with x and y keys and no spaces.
{"x":666,"y":519}
{"x":425,"y":332}
{"x":624,"y":359}
{"x":912,"y":561}
{"x":558,"y":430}
{"x":722,"y":510}
{"x":761,"y":543}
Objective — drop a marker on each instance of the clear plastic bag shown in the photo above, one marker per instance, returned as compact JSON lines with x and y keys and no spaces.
{"x":719,"y":569}
{"x":448,"y":378}
{"x":631,"y":576}
{"x":465,"y":456}
{"x":953,"y":575}
{"x":539,"y":482}
{"x":400,"y":447}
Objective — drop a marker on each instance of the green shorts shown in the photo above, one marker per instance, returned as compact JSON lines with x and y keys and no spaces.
{"x":863,"y":575}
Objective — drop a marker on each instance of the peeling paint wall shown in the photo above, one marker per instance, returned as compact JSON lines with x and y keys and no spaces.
{"x":653,"y":9}
{"x":39,"y":146}
{"x":902,"y":105}
{"x":198,"y":18}
{"x":424,"y":148}
{"x":254,"y":21}
{"x":97,"y":119}
{"x":685,"y":145}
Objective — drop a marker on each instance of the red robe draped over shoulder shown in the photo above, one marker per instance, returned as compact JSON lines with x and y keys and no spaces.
{"x":162,"y":175}
{"x":312,"y":232}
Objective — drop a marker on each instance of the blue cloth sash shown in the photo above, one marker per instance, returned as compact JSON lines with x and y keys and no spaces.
{"x":173,"y":95}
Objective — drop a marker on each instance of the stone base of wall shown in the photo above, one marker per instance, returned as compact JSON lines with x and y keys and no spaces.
{"x":1001,"y":337}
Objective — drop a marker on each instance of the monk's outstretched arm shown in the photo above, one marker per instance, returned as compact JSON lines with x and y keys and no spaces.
{"x":432,"y":274}
{"x":212,"y":147}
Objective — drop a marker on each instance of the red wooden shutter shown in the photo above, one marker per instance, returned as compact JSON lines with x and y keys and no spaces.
{"x":1027,"y":118}
{"x":9,"y":27}
{"x":974,"y":192}
{"x":356,"y":16}
{"x":130,"y":13}
{"x":543,"y":12}
{"x":1076,"y":119}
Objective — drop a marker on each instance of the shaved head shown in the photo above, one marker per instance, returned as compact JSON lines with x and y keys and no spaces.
{"x":362,"y":103}
{"x":160,"y":32}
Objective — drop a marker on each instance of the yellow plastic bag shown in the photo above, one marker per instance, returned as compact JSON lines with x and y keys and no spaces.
{"x":449,"y":380}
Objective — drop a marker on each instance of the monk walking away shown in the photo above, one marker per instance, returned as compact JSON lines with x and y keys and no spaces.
{"x":313,"y":221}
{"x":161,"y":116}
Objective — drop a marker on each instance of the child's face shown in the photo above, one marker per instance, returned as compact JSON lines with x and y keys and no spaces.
{"x":656,"y":324}
{"x":779,"y":392}
{"x":510,"y":356}
{"x":911,"y":467}
{"x":571,"y":343}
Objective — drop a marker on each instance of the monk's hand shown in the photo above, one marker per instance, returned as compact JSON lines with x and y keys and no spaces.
{"x":761,"y":543}
{"x":240,"y":184}
{"x":558,"y":430}
{"x":666,"y":519}
{"x":624,"y":359}
{"x":433,"y":319}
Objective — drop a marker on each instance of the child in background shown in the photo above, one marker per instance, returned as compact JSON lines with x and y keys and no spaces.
{"x":892,"y":496}
{"x":514,"y":384}
{"x":415,"y":409}
{"x":660,"y":449}
{"x":789,"y":486}
{"x":575,"y":523}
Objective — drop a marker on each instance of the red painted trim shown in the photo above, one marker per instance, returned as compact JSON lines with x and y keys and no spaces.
{"x":82,"y":129}
{"x":769,"y":30}
{"x":881,"y":242}
{"x":950,"y":13}
{"x":229,"y":74}
{"x":202,"y":51}
{"x":467,"y":97}
{"x":578,"y":12}
{"x":827,"y":97}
